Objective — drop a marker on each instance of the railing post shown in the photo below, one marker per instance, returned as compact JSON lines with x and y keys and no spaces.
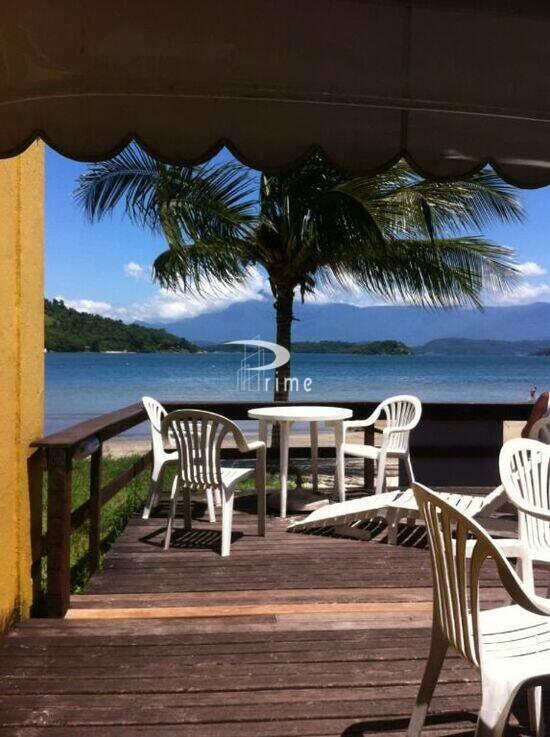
{"x":59,"y":462}
{"x":95,"y":510}
{"x":368,"y":465}
{"x":35,"y":473}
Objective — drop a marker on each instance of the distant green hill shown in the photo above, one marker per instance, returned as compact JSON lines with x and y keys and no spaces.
{"x":373,"y":348}
{"x":71,"y":331}
{"x":471,"y":347}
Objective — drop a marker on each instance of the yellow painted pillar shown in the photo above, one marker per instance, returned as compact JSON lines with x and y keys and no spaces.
{"x":21,"y":366}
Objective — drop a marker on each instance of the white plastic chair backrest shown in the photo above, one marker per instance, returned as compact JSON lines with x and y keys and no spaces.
{"x":156,"y":413}
{"x":199,"y":436}
{"x":525,"y":473}
{"x":456,"y":573}
{"x":401,"y":411}
{"x":541,"y":430}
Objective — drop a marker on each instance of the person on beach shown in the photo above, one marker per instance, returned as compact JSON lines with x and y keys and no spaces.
{"x":533,"y":392}
{"x":541,"y":409}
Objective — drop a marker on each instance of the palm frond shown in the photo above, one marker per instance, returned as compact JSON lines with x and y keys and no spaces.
{"x":190,"y":268}
{"x":448,"y":272}
{"x":131,"y":178}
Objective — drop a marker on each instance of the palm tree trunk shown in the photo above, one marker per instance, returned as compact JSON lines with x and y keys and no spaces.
{"x":283,"y":309}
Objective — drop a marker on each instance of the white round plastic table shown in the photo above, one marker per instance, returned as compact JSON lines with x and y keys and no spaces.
{"x":285,"y":417}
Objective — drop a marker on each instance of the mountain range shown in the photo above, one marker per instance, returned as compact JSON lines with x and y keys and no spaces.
{"x":411,"y":325}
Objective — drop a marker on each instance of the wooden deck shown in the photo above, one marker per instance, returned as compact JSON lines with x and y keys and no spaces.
{"x":294,"y":634}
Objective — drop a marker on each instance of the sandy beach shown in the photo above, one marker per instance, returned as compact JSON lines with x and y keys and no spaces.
{"x":124,"y":446}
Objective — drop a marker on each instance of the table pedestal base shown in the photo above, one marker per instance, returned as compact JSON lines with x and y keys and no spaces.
{"x":298,"y":500}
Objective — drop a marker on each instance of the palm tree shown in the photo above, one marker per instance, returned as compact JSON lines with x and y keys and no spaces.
{"x":395,"y":235}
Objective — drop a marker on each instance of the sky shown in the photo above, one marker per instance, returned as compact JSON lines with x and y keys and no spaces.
{"x":105,"y":267}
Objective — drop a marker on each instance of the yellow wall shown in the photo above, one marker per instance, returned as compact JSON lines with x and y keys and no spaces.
{"x":21,"y":365}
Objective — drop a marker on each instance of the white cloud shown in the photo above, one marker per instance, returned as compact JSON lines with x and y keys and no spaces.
{"x":521,"y":294}
{"x":89,"y":305}
{"x":167,"y":307}
{"x":134,"y":271}
{"x":530,"y":268}
{"x":348,"y":293}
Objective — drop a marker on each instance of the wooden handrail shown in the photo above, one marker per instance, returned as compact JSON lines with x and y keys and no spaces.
{"x":446,"y":436}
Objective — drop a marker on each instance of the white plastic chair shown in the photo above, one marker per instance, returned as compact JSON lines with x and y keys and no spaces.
{"x":163,"y":455}
{"x":509,"y":645}
{"x":199,"y":437}
{"x":402,"y":414}
{"x":525,"y":474}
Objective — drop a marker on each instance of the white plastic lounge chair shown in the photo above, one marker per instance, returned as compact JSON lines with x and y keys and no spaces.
{"x":393,"y":506}
{"x":509,"y":645}
{"x":163,"y":455}
{"x":198,"y":437}
{"x":402,"y":414}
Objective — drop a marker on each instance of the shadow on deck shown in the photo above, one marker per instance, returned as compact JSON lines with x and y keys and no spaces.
{"x":294,"y":634}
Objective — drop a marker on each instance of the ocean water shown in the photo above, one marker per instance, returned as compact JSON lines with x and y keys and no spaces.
{"x":81,"y":385}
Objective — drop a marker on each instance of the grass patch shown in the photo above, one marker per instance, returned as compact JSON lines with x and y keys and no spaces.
{"x":114,"y":515}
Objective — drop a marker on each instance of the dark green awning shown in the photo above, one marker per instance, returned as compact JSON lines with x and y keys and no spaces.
{"x":450,"y":84}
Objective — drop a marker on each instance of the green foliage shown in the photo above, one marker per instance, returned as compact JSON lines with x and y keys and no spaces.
{"x":395,"y":234}
{"x":373,"y":348}
{"x":473,"y":347}
{"x":69,"y":330}
{"x":114,"y":515}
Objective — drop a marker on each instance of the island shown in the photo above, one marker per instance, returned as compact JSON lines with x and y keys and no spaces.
{"x":68,"y":330}
{"x":373,"y":348}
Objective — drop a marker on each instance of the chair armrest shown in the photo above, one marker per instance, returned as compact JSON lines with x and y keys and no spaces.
{"x":370,"y":420}
{"x":356,"y":424}
{"x":254,"y":445}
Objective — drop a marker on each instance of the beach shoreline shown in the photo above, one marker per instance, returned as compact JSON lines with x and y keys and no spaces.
{"x":125,"y":446}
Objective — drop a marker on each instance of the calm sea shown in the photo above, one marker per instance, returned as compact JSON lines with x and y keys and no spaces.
{"x":81,"y":385}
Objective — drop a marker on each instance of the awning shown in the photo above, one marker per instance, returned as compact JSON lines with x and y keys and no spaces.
{"x":449,"y":84}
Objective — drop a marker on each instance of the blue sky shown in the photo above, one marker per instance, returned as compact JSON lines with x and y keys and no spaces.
{"x":105,"y":267}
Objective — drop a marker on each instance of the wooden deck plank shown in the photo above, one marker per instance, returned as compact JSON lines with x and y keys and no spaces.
{"x":305,"y":635}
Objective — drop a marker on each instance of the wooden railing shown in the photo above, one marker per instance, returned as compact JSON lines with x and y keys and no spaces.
{"x":455,"y":444}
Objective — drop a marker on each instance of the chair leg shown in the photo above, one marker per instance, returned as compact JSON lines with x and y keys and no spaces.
{"x":227,"y":520}
{"x":536,"y":714}
{"x":187,"y":516}
{"x":381,"y":474}
{"x":152,"y":501}
{"x":154,"y":491}
{"x":261,"y":499}
{"x":217,"y":497}
{"x":524,"y":568}
{"x":340,"y":467}
{"x":408,"y":468}
{"x":497,"y":697}
{"x":392,"y":519}
{"x":438,"y":650}
{"x":411,"y":521}
{"x":210,"y":504}
{"x":171,"y":513}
